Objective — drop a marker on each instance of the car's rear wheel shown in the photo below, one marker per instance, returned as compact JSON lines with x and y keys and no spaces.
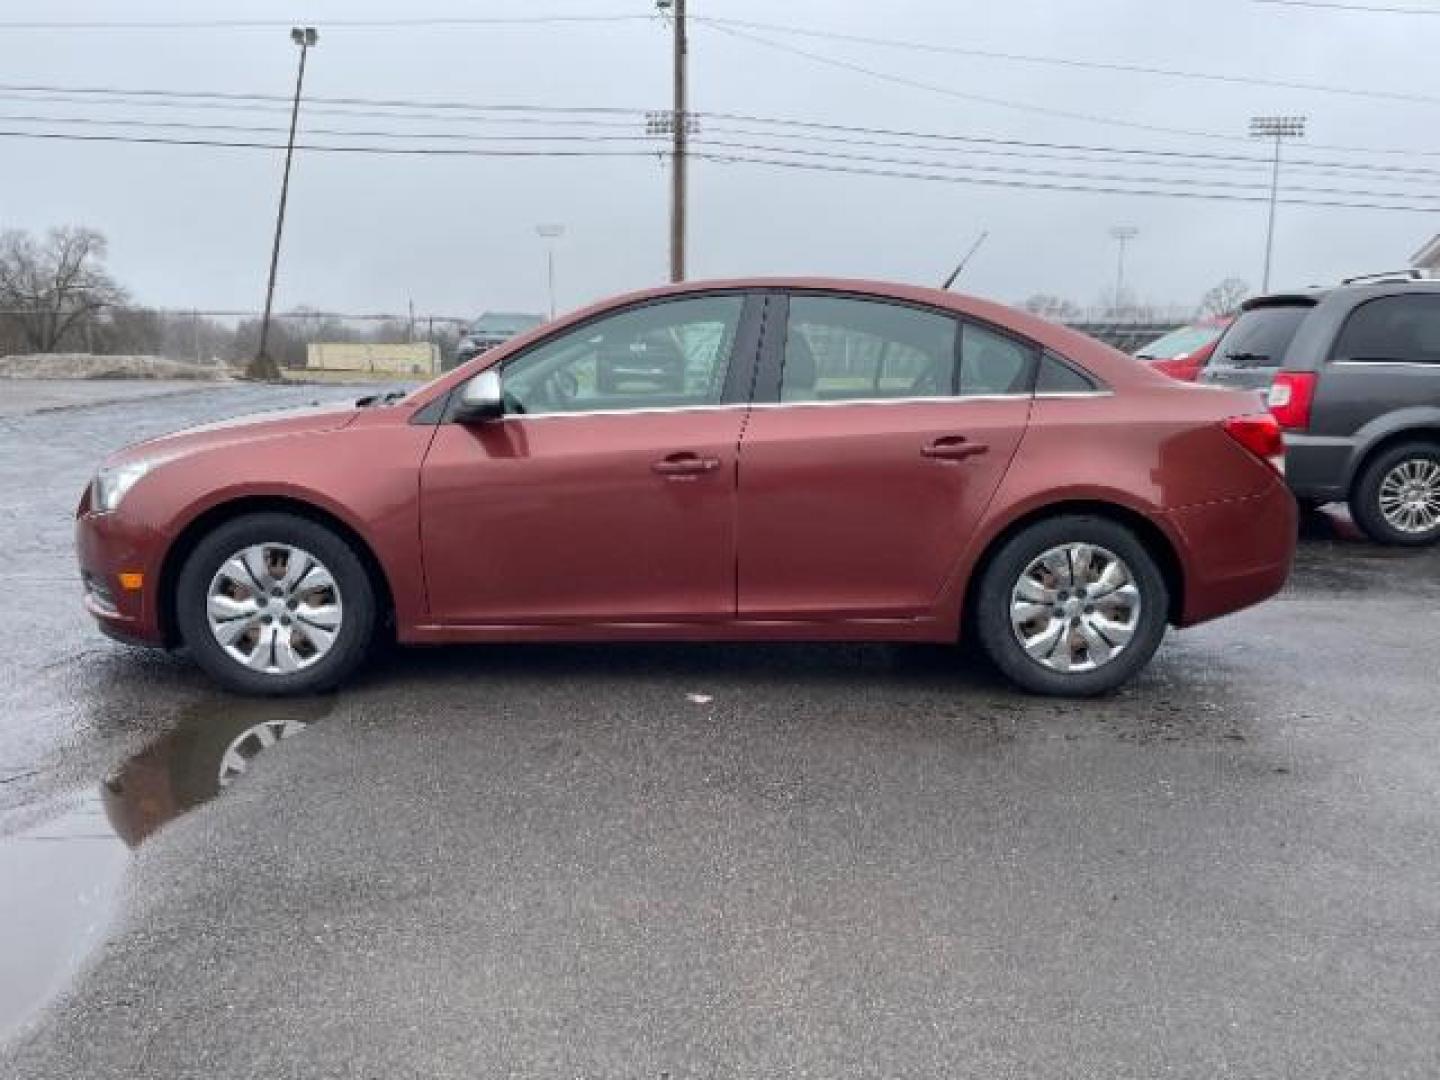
{"x":1071,"y":606}
{"x":1396,"y":499}
{"x":275,"y":604}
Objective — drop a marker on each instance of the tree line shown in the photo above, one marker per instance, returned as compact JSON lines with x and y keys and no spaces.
{"x":56,"y":295}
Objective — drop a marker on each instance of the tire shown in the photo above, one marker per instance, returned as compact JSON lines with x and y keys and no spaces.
{"x":1370,"y":494}
{"x":1078,"y":671}
{"x":299,"y":640}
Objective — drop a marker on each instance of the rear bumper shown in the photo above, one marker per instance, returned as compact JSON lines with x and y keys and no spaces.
{"x":1318,"y":466}
{"x":1238,"y":552}
{"x":106,"y":545}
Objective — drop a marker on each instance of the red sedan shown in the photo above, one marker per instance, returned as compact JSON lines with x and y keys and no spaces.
{"x":1182,"y":354}
{"x":741,"y":460}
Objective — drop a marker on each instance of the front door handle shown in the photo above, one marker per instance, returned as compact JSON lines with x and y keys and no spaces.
{"x":685,"y":464}
{"x":953,"y":448}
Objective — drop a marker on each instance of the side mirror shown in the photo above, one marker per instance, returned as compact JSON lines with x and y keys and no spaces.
{"x":481,"y":399}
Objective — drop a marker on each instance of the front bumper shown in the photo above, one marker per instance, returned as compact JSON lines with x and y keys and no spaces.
{"x":107,"y":546}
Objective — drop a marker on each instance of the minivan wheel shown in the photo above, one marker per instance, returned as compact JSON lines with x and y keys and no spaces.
{"x":1396,"y":499}
{"x":275,"y":604}
{"x":1071,"y":606}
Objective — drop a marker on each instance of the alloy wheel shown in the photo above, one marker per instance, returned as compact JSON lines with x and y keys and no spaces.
{"x":1075,"y":607}
{"x":1410,"y":496}
{"x":274,"y":608}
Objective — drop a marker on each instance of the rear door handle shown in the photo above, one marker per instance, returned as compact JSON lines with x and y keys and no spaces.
{"x":685,"y":464}
{"x":953,"y":448}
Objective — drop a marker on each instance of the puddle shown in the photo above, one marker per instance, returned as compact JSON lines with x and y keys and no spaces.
{"x":61,"y":878}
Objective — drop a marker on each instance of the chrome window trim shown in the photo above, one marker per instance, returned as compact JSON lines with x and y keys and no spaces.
{"x":728,"y":406}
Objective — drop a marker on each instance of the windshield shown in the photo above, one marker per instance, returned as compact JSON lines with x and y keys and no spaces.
{"x":1259,"y":337}
{"x":1179,"y":342}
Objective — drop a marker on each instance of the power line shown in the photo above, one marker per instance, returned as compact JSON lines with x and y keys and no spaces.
{"x":157,"y":140}
{"x":1068,"y":62}
{"x":258,"y":102}
{"x":440,"y":22}
{"x":1058,"y":173}
{"x":1371,"y":8}
{"x":1045,"y":186}
{"x":1036,"y":178}
{"x":1003,"y":103}
{"x":1231,"y":163}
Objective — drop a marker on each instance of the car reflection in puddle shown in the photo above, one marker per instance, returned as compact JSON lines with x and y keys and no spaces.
{"x":195,"y":761}
{"x":62,"y":877}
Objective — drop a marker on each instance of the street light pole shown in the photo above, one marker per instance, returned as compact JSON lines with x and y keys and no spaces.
{"x":550,"y":233}
{"x":1278,"y":128}
{"x":263,"y":366}
{"x":1124,"y":234}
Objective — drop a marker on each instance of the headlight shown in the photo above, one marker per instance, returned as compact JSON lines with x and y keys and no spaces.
{"x":111,"y":484}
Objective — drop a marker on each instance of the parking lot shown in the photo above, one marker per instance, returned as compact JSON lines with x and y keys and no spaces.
{"x":716,"y":860}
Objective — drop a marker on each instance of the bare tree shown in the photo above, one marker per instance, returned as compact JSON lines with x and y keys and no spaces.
{"x":1224,"y":298}
{"x":1055,"y":308}
{"x":52,"y":287}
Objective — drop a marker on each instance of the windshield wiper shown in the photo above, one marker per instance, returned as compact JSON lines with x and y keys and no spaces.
{"x":372,"y":401}
{"x":1248,"y":359}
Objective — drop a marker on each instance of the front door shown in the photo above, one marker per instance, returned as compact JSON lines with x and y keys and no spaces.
{"x":860,"y":485}
{"x":607,"y":491}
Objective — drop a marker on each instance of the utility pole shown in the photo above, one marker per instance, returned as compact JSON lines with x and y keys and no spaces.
{"x":263,"y":366}
{"x":1124,"y":234}
{"x":1278,"y":128}
{"x":680,"y":133}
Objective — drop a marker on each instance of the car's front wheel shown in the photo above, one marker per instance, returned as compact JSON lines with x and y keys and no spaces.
{"x":275,"y":604}
{"x":1071,"y":606}
{"x":1396,"y":500}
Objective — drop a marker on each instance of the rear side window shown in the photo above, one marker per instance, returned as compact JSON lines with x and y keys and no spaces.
{"x":1393,"y":328}
{"x":1259,"y":337}
{"x":842,"y":349}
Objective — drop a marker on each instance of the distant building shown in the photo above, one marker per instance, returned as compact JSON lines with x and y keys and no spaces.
{"x":1427,"y":258}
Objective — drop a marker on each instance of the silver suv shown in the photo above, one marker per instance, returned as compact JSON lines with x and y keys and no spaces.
{"x":1353,"y":376}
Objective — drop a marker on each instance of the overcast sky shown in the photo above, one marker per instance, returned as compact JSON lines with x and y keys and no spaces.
{"x":191,"y":227}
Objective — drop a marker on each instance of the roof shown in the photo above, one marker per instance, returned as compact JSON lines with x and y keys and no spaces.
{"x":1428,"y":257}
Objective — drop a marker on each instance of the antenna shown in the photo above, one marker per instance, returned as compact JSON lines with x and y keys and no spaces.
{"x":968,"y":256}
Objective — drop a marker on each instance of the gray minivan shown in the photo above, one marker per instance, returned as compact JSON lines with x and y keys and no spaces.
{"x":1353,"y":375}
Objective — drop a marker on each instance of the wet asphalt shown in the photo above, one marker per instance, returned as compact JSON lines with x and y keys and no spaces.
{"x":697,"y":861}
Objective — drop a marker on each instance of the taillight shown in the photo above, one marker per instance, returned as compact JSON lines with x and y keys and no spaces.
{"x":1260,"y":434}
{"x":1290,"y":397}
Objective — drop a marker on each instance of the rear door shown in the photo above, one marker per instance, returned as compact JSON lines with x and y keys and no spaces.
{"x":1386,"y":358}
{"x":879,"y":434}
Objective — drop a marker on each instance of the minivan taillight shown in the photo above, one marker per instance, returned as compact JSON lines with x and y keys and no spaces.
{"x":1260,"y":434}
{"x":1290,"y":397}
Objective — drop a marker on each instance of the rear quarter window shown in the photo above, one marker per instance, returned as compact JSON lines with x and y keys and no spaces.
{"x":1405,"y":328}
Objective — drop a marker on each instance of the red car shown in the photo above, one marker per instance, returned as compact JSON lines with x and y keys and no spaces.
{"x":1182,"y":354}
{"x":746,"y":460}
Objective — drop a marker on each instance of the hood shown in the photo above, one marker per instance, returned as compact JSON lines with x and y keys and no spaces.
{"x":239,"y":430}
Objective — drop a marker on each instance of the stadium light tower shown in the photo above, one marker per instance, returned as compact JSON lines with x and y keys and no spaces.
{"x":1278,"y":128}
{"x":550,"y":232}
{"x":1124,"y":234}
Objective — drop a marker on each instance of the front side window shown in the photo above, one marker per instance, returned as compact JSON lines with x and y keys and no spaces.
{"x":842,"y":349}
{"x":1393,"y":328}
{"x":671,"y":354}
